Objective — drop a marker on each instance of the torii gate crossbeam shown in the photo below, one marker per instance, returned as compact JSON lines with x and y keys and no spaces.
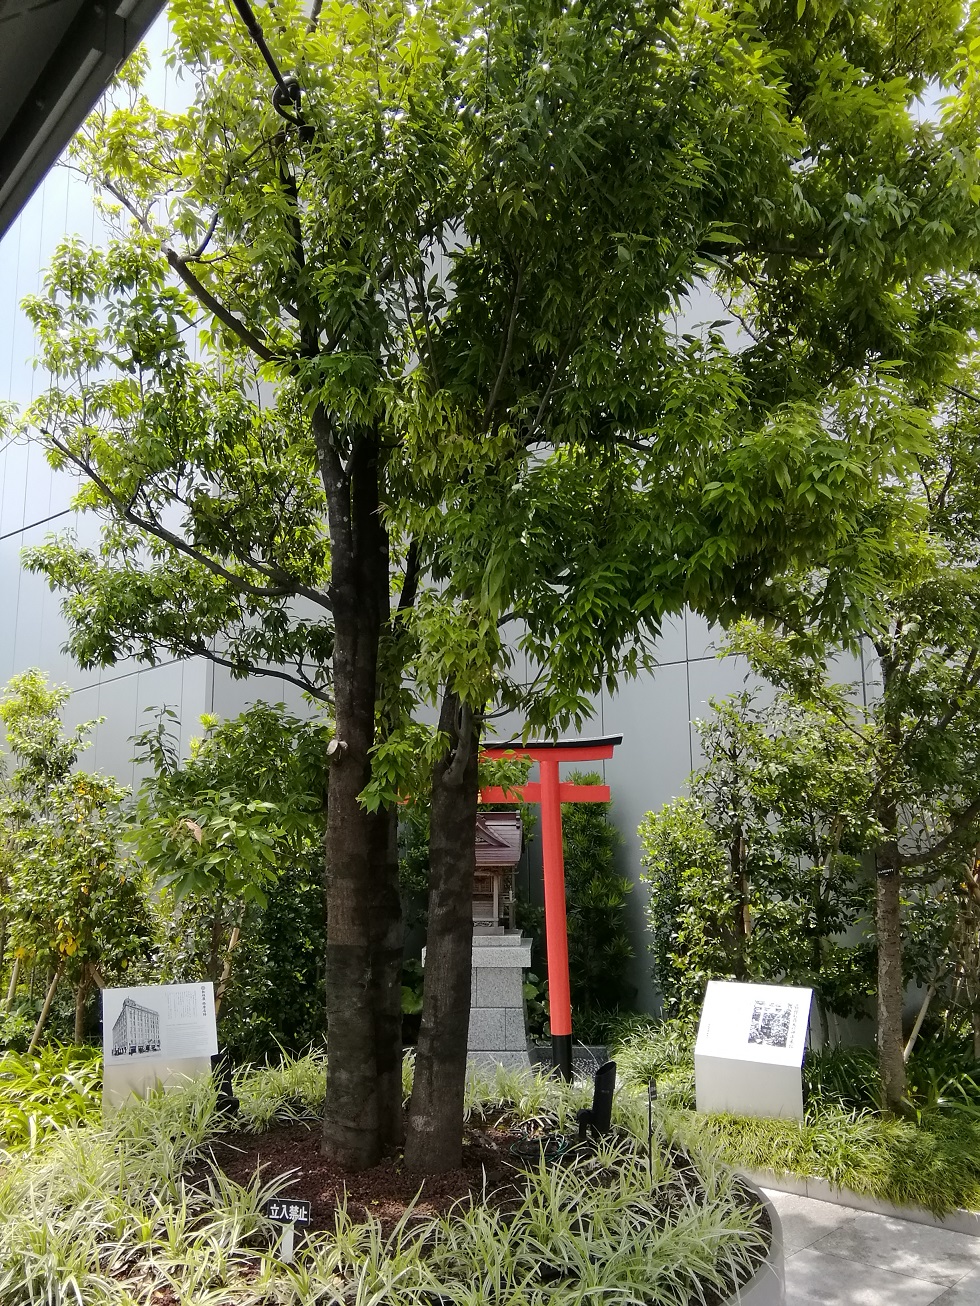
{"x":551,"y":791}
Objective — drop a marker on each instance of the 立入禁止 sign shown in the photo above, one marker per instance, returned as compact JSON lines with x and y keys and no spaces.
{"x":287,"y":1210}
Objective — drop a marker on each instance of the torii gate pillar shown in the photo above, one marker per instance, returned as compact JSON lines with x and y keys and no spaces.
{"x":550,"y":791}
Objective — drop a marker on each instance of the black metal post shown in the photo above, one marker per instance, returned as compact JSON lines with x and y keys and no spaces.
{"x":561,"y":1055}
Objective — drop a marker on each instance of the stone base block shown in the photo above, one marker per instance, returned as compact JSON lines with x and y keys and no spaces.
{"x":487,"y":1062}
{"x":487,"y":1029}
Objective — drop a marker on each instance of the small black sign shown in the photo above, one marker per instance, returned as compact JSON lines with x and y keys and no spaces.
{"x":287,"y":1210}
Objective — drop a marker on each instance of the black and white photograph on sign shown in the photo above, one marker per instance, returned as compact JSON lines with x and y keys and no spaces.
{"x":771,"y":1024}
{"x":136,"y":1031}
{"x":158,"y":1021}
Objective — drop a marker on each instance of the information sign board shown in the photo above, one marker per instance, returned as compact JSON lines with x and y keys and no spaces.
{"x":749,"y":1054}
{"x":160,"y":1034}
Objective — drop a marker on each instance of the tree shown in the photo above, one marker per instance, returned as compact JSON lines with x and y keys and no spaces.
{"x":918,"y":738}
{"x":758,"y":874}
{"x":453,"y":243}
{"x":72,"y":902}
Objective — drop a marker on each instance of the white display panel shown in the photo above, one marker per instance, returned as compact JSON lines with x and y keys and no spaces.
{"x":750,"y":1047}
{"x":159,"y":1021}
{"x":159,"y":1035}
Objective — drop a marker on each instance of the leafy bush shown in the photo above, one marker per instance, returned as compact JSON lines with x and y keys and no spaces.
{"x":70,"y":903}
{"x":942,"y":1075}
{"x":50,"y":1090}
{"x":759,"y":873}
{"x":933,"y":1162}
{"x":16,"y":1028}
{"x":233,"y":837}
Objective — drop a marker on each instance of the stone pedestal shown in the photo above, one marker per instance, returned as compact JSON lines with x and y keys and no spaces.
{"x":498,"y":1036}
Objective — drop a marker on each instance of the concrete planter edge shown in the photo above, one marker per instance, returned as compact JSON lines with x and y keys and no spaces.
{"x":767,"y":1287}
{"x":821,"y":1190}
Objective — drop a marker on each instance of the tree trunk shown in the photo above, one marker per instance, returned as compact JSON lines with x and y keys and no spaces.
{"x":222,"y":986}
{"x":888,"y":927}
{"x":42,"y":1018}
{"x":360,"y":1050}
{"x":388,"y":954}
{"x":920,"y":1019}
{"x":12,"y":988}
{"x":435,"y":1124}
{"x":891,"y":986}
{"x":742,"y":923}
{"x":81,"y":997}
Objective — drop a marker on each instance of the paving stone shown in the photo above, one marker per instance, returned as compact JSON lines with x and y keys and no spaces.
{"x":904,"y":1248}
{"x":805,"y":1220}
{"x":817,"y":1279}
{"x":965,"y":1293}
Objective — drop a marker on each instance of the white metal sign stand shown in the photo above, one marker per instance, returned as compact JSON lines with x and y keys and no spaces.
{"x":749,"y":1055}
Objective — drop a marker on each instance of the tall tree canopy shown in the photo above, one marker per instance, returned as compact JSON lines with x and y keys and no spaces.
{"x":918,"y":740}
{"x":385,"y":354}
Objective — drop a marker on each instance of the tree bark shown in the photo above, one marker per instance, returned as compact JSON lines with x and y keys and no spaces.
{"x":888,"y":927}
{"x":386,"y":979}
{"x":360,"y":1050}
{"x":12,"y":987}
{"x":42,"y":1018}
{"x":434,"y":1141}
{"x":742,"y":921}
{"x":81,"y":997}
{"x":891,"y":986}
{"x":222,"y":985}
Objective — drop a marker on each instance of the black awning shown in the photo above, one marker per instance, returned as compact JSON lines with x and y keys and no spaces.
{"x":56,"y":59}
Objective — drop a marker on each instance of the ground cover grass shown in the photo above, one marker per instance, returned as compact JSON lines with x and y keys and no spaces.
{"x":106,"y":1216}
{"x":931,"y":1160}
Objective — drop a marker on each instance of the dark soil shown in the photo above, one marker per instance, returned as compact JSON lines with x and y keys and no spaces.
{"x":385,"y":1191}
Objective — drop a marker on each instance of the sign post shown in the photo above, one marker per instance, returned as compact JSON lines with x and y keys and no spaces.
{"x":749,"y":1055}
{"x":551,"y":791}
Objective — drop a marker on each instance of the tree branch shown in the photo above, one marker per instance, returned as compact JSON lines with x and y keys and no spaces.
{"x":216,"y":308}
{"x":198,"y":648}
{"x":958,"y":823}
{"x":410,"y":583}
{"x":239,"y":583}
{"x":507,"y":348}
{"x":196,"y":287}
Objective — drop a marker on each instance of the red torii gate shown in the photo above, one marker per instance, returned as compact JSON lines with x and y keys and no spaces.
{"x":551,"y":791}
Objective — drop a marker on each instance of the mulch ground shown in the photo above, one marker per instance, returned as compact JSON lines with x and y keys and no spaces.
{"x":386,"y":1190}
